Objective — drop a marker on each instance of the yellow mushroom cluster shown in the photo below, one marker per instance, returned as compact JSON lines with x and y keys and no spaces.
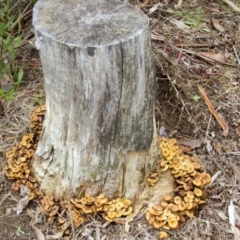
{"x":18,"y":158}
{"x":190,"y":180}
{"x":152,"y":179}
{"x":109,"y":209}
{"x":17,"y":169}
{"x":37,"y":120}
{"x":168,"y":214}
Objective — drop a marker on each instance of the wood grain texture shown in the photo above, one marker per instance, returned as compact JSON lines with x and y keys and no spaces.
{"x":100,"y":93}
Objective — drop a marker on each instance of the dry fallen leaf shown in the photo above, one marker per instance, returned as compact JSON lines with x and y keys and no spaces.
{"x":214,"y":177}
{"x":217,"y":146}
{"x":30,"y":213}
{"x":179,"y":24}
{"x":39,"y":235}
{"x":8,"y":211}
{"x":192,"y":143}
{"x":219,"y":57}
{"x":60,"y":232}
{"x":217,"y":25}
{"x":184,"y":148}
{"x":22,"y":203}
{"x":221,"y":215}
{"x":162,"y":132}
{"x":232,"y":220}
{"x":24,"y":191}
{"x":236,"y":170}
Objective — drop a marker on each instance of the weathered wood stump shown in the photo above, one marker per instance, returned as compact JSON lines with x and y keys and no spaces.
{"x":99,"y":134}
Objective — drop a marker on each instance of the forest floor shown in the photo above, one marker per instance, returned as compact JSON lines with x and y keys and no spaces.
{"x":195,"y":46}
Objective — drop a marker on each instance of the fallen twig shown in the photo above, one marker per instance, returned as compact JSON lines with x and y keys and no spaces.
{"x":236,"y":54}
{"x":218,"y":117}
{"x":145,"y":3}
{"x":179,"y":5}
{"x":21,"y":16}
{"x":208,"y":59}
{"x":232,"y":5}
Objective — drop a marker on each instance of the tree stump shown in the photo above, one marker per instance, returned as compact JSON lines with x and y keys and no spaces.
{"x":99,"y":132}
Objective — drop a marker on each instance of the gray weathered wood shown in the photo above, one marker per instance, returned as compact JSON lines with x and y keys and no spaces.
{"x":100,"y":85}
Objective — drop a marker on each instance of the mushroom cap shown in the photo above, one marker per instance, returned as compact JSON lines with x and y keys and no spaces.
{"x":164,"y":204}
{"x":107,"y":218}
{"x":172,"y":222}
{"x":87,"y":209}
{"x":167,"y":212}
{"x":173,"y":207}
{"x":206,"y":178}
{"x":32,"y":179}
{"x":119,"y":213}
{"x":111,"y":214}
{"x":190,"y":194}
{"x":54,"y":211}
{"x":197,"y":181}
{"x":128,"y":211}
{"x":148,"y":215}
{"x":197,"y":192}
{"x":112,"y":207}
{"x":182,"y":206}
{"x":177,"y":200}
{"x":127,"y":202}
{"x":189,"y":205}
{"x":188,"y":199}
{"x":187,"y":186}
{"x":157,"y":224}
{"x":168,"y":198}
{"x":189,"y":213}
{"x":163,"y":235}
{"x":162,"y":217}
{"x":89,"y":198}
{"x":154,"y":212}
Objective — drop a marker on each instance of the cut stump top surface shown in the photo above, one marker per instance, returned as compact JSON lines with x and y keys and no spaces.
{"x":83,"y":23}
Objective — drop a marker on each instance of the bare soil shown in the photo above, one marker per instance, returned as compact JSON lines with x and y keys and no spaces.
{"x":178,"y":36}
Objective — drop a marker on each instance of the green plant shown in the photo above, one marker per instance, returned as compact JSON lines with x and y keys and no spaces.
{"x":192,"y":19}
{"x":196,"y":98}
{"x":39,"y":99}
{"x":10,"y":40}
{"x":19,"y":231}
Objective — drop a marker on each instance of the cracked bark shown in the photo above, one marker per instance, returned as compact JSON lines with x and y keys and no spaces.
{"x":99,"y":130}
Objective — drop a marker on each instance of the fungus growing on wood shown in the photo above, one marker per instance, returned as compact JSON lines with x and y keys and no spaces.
{"x":163,"y":235}
{"x":152,"y":179}
{"x":168,"y":213}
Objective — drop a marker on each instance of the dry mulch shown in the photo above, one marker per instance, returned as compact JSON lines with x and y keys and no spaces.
{"x":179,"y":37}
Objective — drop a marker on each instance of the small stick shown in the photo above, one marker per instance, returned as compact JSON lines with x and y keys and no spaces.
{"x":23,"y":15}
{"x":236,"y":54}
{"x":213,"y":111}
{"x":179,"y":5}
{"x":232,"y":5}
{"x":207,"y":130}
{"x":145,"y":3}
{"x":209,"y":60}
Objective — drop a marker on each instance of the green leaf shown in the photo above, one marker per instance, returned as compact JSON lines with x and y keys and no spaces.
{"x":11,"y":51}
{"x":9,"y":22}
{"x":206,"y":30}
{"x":17,"y":41}
{"x":2,"y":28}
{"x":7,"y":42}
{"x":1,"y":14}
{"x":20,"y":76}
{"x":196,"y":98}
